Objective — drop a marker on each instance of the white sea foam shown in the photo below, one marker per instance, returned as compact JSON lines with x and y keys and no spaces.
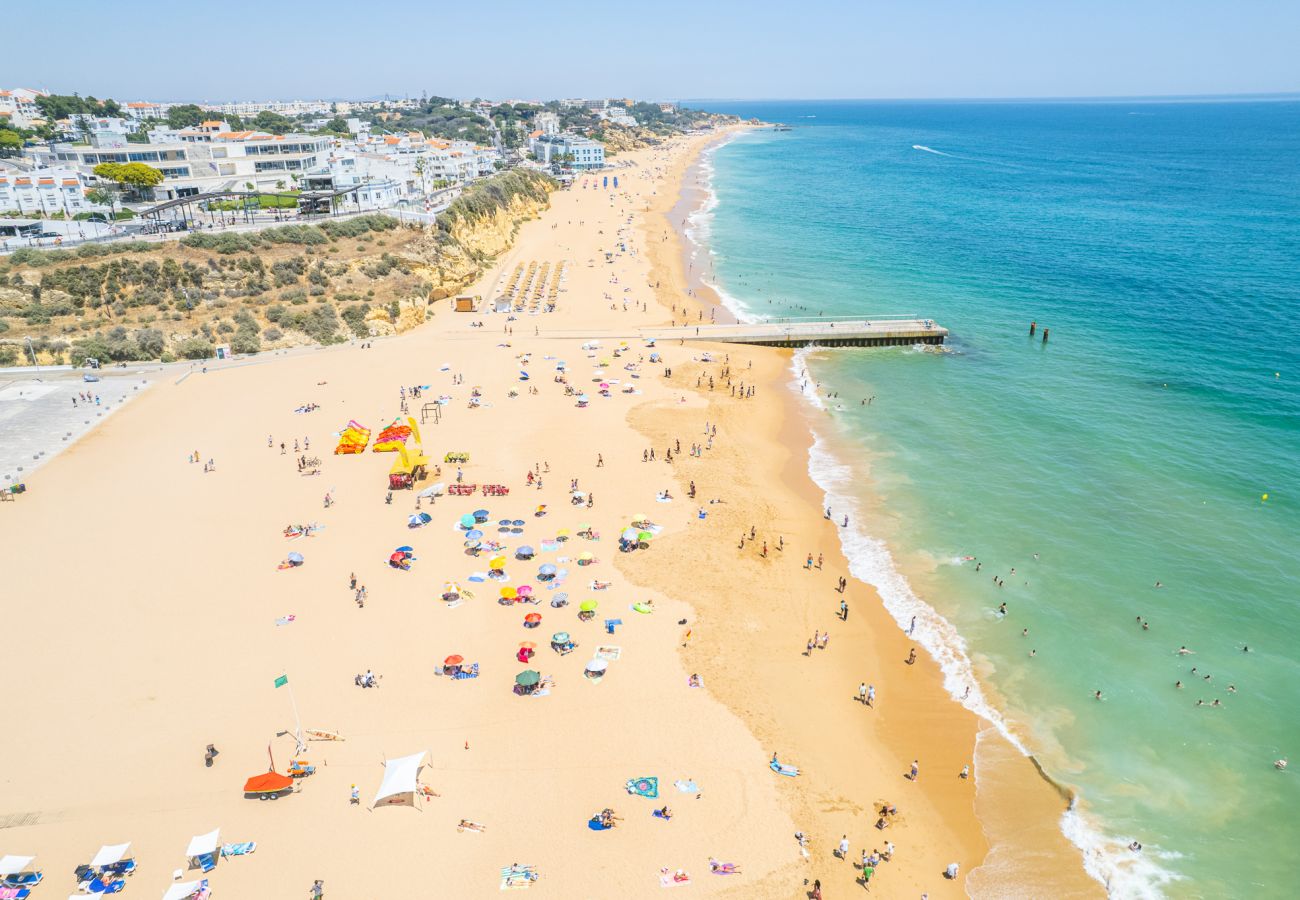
{"x":930,"y":150}
{"x":699,"y":229}
{"x":1106,"y":858}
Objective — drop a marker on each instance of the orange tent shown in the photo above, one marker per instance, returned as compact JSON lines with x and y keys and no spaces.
{"x":267,"y":783}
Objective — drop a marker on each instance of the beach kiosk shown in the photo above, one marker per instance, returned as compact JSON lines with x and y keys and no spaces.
{"x":466,"y":303}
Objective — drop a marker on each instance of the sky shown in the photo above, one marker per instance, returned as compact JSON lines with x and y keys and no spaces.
{"x":669,"y":49}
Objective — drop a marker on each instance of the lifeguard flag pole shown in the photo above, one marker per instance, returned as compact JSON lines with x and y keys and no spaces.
{"x":283,"y":681}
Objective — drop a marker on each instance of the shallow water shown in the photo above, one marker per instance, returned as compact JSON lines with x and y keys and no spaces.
{"x":1160,"y":243}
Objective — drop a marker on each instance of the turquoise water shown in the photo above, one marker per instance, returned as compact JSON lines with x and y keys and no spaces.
{"x":1160,"y":243}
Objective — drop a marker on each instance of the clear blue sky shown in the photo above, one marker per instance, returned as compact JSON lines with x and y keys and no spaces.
{"x":251,"y":49}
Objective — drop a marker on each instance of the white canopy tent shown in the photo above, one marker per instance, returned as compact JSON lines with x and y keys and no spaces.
{"x":204,"y":843}
{"x":434,"y":490}
{"x":12,"y":865}
{"x":401,"y":781}
{"x":109,"y":854}
{"x":181,"y":891}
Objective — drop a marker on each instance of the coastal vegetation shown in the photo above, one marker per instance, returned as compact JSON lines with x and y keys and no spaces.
{"x":293,"y":285}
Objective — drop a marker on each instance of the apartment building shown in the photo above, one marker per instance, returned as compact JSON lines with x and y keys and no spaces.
{"x":18,"y":107}
{"x":43,"y":192}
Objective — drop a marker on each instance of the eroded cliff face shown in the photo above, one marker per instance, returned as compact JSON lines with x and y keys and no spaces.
{"x":453,"y":260}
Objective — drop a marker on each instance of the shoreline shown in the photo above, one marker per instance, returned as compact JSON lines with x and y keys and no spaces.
{"x":190,"y":617}
{"x":1018,"y":804}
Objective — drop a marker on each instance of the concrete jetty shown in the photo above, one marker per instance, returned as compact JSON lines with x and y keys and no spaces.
{"x":883,"y":331}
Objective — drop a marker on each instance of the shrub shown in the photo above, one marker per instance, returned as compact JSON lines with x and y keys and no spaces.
{"x":355,"y":317}
{"x":272,"y":334}
{"x":194,"y":348}
{"x":8,"y":354}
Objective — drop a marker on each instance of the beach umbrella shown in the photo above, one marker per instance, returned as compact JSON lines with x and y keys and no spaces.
{"x":560,"y":637}
{"x":644,"y":536}
{"x":585,"y":557}
{"x":519,"y":523}
{"x":541,"y":507}
{"x":629,"y":535}
{"x":453,"y":660}
{"x":547,"y":569}
{"x":582,"y":398}
{"x":509,"y":593}
{"x":474,"y":535}
{"x":497,"y":562}
{"x":434,"y":489}
{"x":405,"y":549}
{"x":473,"y":545}
{"x":533,"y":617}
{"x":528,"y":678}
{"x":527,"y":645}
{"x":505,"y":522}
{"x":525,"y":590}
{"x":481,"y":515}
{"x":295,"y":557}
{"x":562,"y":534}
{"x":451,"y":587}
{"x":638,"y":518}
{"x":588,"y":605}
{"x":467,"y":521}
{"x":604,"y":385}
{"x":525,"y":552}
{"x":597,"y":665}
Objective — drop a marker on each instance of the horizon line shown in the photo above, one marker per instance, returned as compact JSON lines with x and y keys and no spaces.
{"x":1274,"y":96}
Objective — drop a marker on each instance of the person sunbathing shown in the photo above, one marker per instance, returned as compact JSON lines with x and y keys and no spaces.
{"x":721,"y":868}
{"x":665,"y":813}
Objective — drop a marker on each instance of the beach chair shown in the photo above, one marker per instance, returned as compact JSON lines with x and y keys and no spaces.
{"x":13,"y":893}
{"x":23,"y":879}
{"x":120,"y":868}
{"x":206,"y":862}
{"x":241,"y":848}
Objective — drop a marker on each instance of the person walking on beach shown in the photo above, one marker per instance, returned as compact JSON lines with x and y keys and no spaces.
{"x":862,"y":692}
{"x":844,"y":847}
{"x":916,"y":770}
{"x":317,"y":889}
{"x":871,"y":696}
{"x":844,"y":610}
{"x":809,"y":563}
{"x":811,"y":642}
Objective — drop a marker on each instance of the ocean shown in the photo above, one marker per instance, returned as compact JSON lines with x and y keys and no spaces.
{"x":1152,"y":439}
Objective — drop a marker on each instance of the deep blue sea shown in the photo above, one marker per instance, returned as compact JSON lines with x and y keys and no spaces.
{"x":1154,"y":438}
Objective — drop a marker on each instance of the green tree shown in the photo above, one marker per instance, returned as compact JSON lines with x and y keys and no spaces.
{"x":187,"y":115}
{"x":11,"y":143}
{"x":103,"y":197}
{"x":135,"y":176}
{"x":336,"y":125}
{"x":272,"y":122}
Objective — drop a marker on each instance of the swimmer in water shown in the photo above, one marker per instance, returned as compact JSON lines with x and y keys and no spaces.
{"x":1245,"y":649}
{"x":1097,"y":695}
{"x":1024,"y":633}
{"x":1232,"y":689}
{"x":1216,"y":702}
{"x":1280,"y":764}
{"x":1159,"y":585}
{"x":1178,"y":684}
{"x":1033,"y":653}
{"x":1183,"y":651}
{"x":1002,"y":609}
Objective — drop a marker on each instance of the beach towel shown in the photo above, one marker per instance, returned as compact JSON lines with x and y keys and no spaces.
{"x":783,"y":769}
{"x":467,"y":825}
{"x":609,"y":653}
{"x":471,"y":672}
{"x":686,"y":787}
{"x":673,"y":879}
{"x":239,"y":848}
{"x":285,"y":620}
{"x":517,"y":877}
{"x":643,"y":787}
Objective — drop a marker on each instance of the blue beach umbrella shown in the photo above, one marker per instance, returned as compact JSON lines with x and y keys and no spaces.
{"x":295,"y":557}
{"x":547,"y":569}
{"x":518,"y":523}
{"x":467,"y":521}
{"x":474,"y":535}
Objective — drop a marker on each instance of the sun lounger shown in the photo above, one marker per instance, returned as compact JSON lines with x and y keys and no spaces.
{"x":13,"y":893}
{"x":207,"y":862}
{"x":23,"y":879}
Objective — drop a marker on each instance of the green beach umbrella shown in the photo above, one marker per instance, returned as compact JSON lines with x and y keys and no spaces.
{"x":528,"y":678}
{"x":588,"y":605}
{"x":644,"y":536}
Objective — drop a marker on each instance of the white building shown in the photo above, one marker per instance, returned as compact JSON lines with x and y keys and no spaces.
{"x":616,"y":114}
{"x":547,"y":122}
{"x":211,"y":161}
{"x":581,"y":152}
{"x":101,"y":131}
{"x":43,"y":192}
{"x":18,"y":108}
{"x":249,"y":109}
{"x":139,"y":111}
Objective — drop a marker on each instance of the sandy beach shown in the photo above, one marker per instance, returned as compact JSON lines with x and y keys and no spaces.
{"x":148,"y":619}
